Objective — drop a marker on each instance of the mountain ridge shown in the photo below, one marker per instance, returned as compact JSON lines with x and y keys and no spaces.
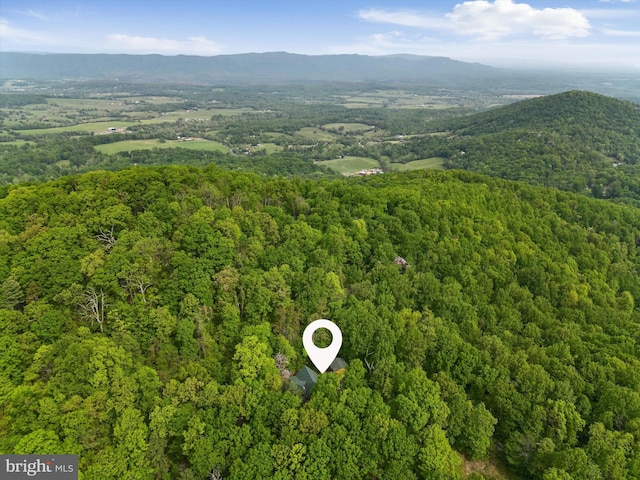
{"x":275,"y":67}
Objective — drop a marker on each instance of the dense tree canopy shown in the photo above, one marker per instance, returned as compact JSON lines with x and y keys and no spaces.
{"x":574,"y":141}
{"x":142,"y":313}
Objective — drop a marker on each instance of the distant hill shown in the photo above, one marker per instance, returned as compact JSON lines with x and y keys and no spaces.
{"x":250,"y":68}
{"x":577,"y":141}
{"x":575,"y":111}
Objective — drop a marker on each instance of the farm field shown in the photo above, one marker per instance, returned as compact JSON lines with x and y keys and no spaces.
{"x":17,"y":143}
{"x":434,"y":162}
{"x":348,"y":127}
{"x":398,"y":99}
{"x":102,"y":124}
{"x":130,"y":145}
{"x":315,"y":134}
{"x":350,"y":165}
{"x":269,"y":148}
{"x":91,"y":127}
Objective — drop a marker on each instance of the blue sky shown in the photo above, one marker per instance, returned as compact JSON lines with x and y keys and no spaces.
{"x":581,"y":33}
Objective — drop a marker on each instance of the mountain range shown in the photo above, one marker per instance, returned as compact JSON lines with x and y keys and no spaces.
{"x":274,"y":67}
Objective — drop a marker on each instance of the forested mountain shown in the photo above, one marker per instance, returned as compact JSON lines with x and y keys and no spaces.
{"x":574,"y":141}
{"x":149,"y":319}
{"x":249,"y":68}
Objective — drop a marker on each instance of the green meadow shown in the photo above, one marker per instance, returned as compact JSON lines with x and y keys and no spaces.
{"x":348,"y":127}
{"x":350,"y":165}
{"x":130,"y":145}
{"x":434,"y":162}
{"x":315,"y":134}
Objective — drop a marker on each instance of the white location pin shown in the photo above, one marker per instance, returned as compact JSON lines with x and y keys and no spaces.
{"x":322,"y":357}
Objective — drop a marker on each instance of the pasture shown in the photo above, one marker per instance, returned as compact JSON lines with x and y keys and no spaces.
{"x":434,"y":162}
{"x":315,"y":134}
{"x":397,"y":99}
{"x":353,"y":128}
{"x":348,"y":165}
{"x":130,"y":145}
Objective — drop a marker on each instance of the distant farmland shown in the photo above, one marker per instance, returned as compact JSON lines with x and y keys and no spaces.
{"x":130,"y":145}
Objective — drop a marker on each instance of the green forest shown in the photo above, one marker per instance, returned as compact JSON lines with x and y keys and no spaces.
{"x":150,"y":319}
{"x":163,"y":247}
{"x":574,"y":141}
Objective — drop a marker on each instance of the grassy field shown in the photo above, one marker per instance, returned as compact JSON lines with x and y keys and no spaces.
{"x":349,"y":165}
{"x":130,"y":145}
{"x":269,"y":148}
{"x":17,"y":143}
{"x":434,"y":162}
{"x":396,"y":99}
{"x":196,"y":115}
{"x":100,"y":122}
{"x":95,"y":127}
{"x":315,"y":134}
{"x":348,"y":127}
{"x":87,"y":103}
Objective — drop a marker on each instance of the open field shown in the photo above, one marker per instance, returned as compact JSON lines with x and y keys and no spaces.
{"x":103,"y":124}
{"x":397,"y":99}
{"x":89,"y":104}
{"x":434,"y":162}
{"x":195,"y":115}
{"x":17,"y":143}
{"x":348,"y":127}
{"x":130,"y":145}
{"x":269,"y":148}
{"x":350,"y":164}
{"x":315,"y":134}
{"x":95,"y":127}
{"x":63,"y":112}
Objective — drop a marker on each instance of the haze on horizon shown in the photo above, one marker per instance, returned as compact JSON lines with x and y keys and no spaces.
{"x":512,"y":33}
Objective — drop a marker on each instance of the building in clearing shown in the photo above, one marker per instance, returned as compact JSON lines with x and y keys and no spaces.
{"x":305,"y":379}
{"x":338,"y":365}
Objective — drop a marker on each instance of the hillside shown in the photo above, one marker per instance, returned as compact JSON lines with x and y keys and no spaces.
{"x":249,"y":68}
{"x":150,"y":318}
{"x":574,"y":141}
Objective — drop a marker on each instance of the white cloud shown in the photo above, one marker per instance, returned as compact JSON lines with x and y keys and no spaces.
{"x":504,"y":17}
{"x":621,"y":33}
{"x":13,"y":34}
{"x":403,"y":18}
{"x":517,"y":53}
{"x":610,"y":13}
{"x":387,"y":43}
{"x":30,"y":13}
{"x":488,"y":20}
{"x":34,"y":14}
{"x":190,"y":46}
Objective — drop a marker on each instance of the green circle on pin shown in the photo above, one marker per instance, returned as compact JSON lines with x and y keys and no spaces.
{"x":322,"y":357}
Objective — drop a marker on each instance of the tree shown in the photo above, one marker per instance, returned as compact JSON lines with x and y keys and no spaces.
{"x":436,"y":459}
{"x":477,"y":434}
{"x":93,"y":305}
{"x":11,"y":294}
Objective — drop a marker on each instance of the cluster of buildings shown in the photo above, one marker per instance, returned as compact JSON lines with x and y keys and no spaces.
{"x":367,"y":171}
{"x":306,"y":378}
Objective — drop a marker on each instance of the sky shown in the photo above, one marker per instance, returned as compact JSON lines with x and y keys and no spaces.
{"x":511,"y":33}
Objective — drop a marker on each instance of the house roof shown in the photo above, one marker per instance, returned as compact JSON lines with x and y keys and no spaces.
{"x":338,"y":364}
{"x":308,"y":376}
{"x":305,"y":379}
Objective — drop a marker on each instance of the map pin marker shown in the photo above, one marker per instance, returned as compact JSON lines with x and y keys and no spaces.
{"x":322,"y":357}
